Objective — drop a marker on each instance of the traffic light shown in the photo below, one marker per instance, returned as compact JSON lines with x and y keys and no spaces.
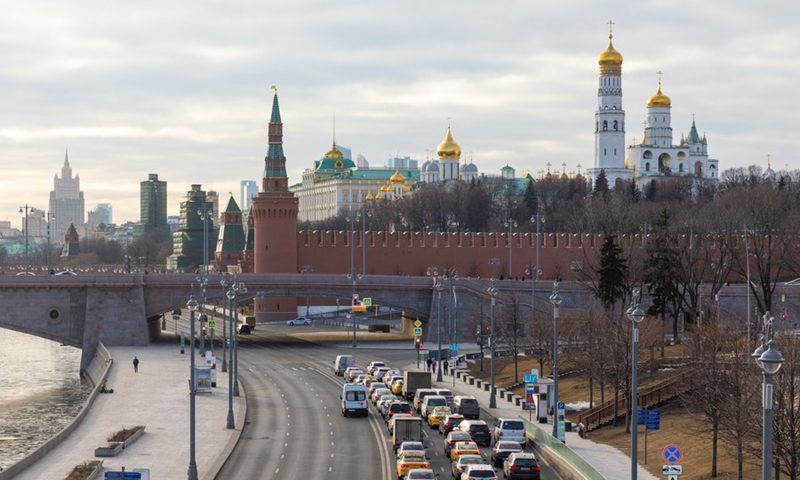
{"x":417,"y":343}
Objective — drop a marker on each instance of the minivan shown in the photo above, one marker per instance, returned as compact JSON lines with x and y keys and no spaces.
{"x":467,"y":406}
{"x":431,"y":401}
{"x":509,"y":429}
{"x":419,"y":396}
{"x":354,"y":399}
{"x":342,"y":362}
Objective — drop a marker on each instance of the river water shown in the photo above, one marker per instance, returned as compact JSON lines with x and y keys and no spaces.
{"x":40,"y":392}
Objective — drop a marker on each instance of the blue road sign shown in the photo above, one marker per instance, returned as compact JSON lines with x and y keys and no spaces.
{"x":455,"y":346}
{"x":672,"y":454}
{"x":123,"y":476}
{"x":529,"y":388}
{"x":640,"y":417}
{"x":530,"y":378}
{"x":561,"y":405}
{"x":653,"y":420}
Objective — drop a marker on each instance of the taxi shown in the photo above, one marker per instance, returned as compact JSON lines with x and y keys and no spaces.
{"x":409,"y":460}
{"x":368,"y":380}
{"x":397,"y":387}
{"x":462,"y":448}
{"x":437,"y":415}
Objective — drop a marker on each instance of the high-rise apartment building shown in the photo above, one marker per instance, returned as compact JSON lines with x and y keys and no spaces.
{"x":152,"y":206}
{"x":100,"y":215}
{"x":247,"y":190}
{"x":66,"y":203}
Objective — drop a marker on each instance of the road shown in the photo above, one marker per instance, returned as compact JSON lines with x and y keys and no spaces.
{"x":294,"y":427}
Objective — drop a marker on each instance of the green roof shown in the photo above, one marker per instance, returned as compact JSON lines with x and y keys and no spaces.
{"x":335,"y":164}
{"x":232,"y":207}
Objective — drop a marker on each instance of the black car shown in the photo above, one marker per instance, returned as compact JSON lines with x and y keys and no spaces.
{"x":502,"y":450}
{"x":449,"y":422}
{"x":521,"y":465}
{"x":452,"y":438}
{"x":397,"y":407}
{"x":478,"y":430}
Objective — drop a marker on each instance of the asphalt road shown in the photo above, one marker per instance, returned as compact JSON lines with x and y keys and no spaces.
{"x":294,"y":428}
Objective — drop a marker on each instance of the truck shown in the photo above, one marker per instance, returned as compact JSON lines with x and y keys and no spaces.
{"x":406,"y":429}
{"x":250,"y":320}
{"x":414,"y":380}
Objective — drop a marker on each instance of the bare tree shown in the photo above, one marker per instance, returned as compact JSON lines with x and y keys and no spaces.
{"x":510,"y":330}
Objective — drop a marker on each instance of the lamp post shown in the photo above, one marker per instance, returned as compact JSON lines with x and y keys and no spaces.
{"x":237,"y":289}
{"x":556,"y":300}
{"x":192,"y":306}
{"x":510,"y":225}
{"x":367,"y":213}
{"x":492,"y":290}
{"x":747,"y":258}
{"x":769,"y":360}
{"x":437,"y":285}
{"x":636,"y":314}
{"x":353,"y":275}
{"x":225,"y":349}
{"x":204,"y":213}
{"x":452,"y":320}
{"x":49,"y":216}
{"x":202,"y":280}
{"x":535,"y":271}
{"x":231,"y":295}
{"x":307,"y":269}
{"x":25,"y":208}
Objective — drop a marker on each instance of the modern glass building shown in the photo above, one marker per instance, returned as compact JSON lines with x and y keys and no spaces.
{"x":152,"y":206}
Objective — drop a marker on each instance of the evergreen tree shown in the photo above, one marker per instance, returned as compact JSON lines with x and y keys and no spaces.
{"x":662,"y":270}
{"x":531,"y":198}
{"x":612,"y":285}
{"x":601,"y":184}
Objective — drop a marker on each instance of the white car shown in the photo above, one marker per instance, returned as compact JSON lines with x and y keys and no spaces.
{"x":299,"y":321}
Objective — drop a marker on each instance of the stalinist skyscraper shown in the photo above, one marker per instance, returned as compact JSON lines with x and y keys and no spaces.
{"x":66,"y":203}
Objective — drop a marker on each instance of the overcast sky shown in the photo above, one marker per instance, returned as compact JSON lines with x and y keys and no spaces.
{"x":182,"y":89}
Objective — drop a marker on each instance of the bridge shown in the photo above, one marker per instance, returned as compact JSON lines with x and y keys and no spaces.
{"x":124,"y":309}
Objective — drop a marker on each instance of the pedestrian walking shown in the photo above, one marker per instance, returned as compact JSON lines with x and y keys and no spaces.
{"x":433,"y":366}
{"x":429,"y":362}
{"x":446,"y":366}
{"x":135,"y":364}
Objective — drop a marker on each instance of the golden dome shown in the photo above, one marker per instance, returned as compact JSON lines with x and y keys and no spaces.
{"x":449,"y":148}
{"x":610,"y":57}
{"x":334,"y":152}
{"x":563,"y":176}
{"x":406,"y":189}
{"x":369,"y":197}
{"x":386,"y":188}
{"x":378,"y":197}
{"x":659,"y":99}
{"x":397,"y":177}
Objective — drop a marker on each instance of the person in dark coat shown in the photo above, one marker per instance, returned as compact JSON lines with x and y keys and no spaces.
{"x":135,"y":364}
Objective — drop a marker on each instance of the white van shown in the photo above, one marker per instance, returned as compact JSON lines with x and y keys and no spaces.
{"x":429,"y":402}
{"x":354,"y":399}
{"x":342,"y":362}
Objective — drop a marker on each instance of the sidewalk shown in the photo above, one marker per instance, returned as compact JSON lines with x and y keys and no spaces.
{"x":157,"y":397}
{"x":610,"y":462}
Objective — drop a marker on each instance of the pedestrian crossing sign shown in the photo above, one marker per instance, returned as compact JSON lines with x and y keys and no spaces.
{"x":417,"y":332}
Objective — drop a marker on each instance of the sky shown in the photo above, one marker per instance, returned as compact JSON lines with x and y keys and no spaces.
{"x":182,"y":89}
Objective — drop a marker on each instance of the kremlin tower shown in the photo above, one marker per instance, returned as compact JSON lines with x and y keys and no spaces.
{"x":274,"y":214}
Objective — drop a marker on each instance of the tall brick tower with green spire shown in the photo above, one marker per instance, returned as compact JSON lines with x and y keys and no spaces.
{"x":230,"y":242}
{"x":275,"y":223}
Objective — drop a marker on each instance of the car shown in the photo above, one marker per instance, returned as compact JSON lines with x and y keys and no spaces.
{"x":354,"y":399}
{"x":430,"y":402}
{"x":502,"y":450}
{"x":454,"y":437}
{"x":351,"y":377}
{"x":380,"y":372}
{"x":384,"y":402}
{"x":509,"y":429}
{"x":374,"y":366}
{"x":479,"y":472}
{"x":397,"y":387}
{"x":410,"y":447}
{"x":341,"y":363}
{"x":522,"y":466}
{"x":421,"y":474}
{"x":437,"y":415}
{"x":478,"y":430}
{"x":299,"y":321}
{"x":467,"y":406}
{"x":243,"y":328}
{"x":449,"y":423}
{"x":446,"y":393}
{"x":360,"y":378}
{"x":463,"y":448}
{"x":378,"y":393}
{"x":390,"y":421}
{"x":419,"y":397}
{"x":411,"y":460}
{"x":397,"y":408}
{"x":25,"y":273}
{"x":457,"y":467}
{"x":368,"y":380}
{"x":66,"y":272}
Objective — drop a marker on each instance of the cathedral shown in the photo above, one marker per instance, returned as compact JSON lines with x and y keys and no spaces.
{"x":655,"y":155}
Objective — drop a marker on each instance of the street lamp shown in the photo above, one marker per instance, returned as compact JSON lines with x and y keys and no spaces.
{"x":304,"y":270}
{"x":192,"y":306}
{"x":204,"y":213}
{"x":510,"y":225}
{"x":353,"y":275}
{"x":769,"y":360}
{"x":536,"y":270}
{"x":492,"y":290}
{"x":437,"y":285}
{"x":49,"y":216}
{"x":225,"y":349}
{"x":747,"y":258}
{"x":556,"y":300}
{"x":237,"y":288}
{"x":25,"y":209}
{"x":202,"y":280}
{"x":636,"y":314}
{"x":231,"y":295}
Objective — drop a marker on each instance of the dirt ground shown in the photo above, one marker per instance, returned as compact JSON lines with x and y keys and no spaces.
{"x":678,"y":427}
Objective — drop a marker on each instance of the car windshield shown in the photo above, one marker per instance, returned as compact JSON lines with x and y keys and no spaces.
{"x":479,"y":428}
{"x":525,"y":462}
{"x":421,"y":476}
{"x":470,"y":460}
{"x":355,"y":396}
{"x":469,"y":402}
{"x":482,"y":474}
{"x":509,"y":446}
{"x":458,"y":436}
{"x":413,"y":446}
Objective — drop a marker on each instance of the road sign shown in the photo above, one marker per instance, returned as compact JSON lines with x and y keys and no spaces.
{"x":417,"y":332}
{"x":653,"y":419}
{"x":366,"y":301}
{"x":212,"y":324}
{"x":672,"y":477}
{"x":123,"y":475}
{"x":417,"y":324}
{"x":455,"y":346}
{"x":672,"y":469}
{"x":672,"y":454}
{"x":530,"y":378}
{"x":529,"y":388}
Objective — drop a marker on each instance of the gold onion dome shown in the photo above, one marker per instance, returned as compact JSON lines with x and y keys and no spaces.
{"x":334,"y":152}
{"x":397,"y":177}
{"x":369,"y":197}
{"x":659,"y":100}
{"x":386,"y":188}
{"x":449,"y":148}
{"x":378,"y":197}
{"x":610,"y":57}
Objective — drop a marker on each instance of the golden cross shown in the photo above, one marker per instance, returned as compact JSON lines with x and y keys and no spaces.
{"x":659,"y":73}
{"x":610,"y":28}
